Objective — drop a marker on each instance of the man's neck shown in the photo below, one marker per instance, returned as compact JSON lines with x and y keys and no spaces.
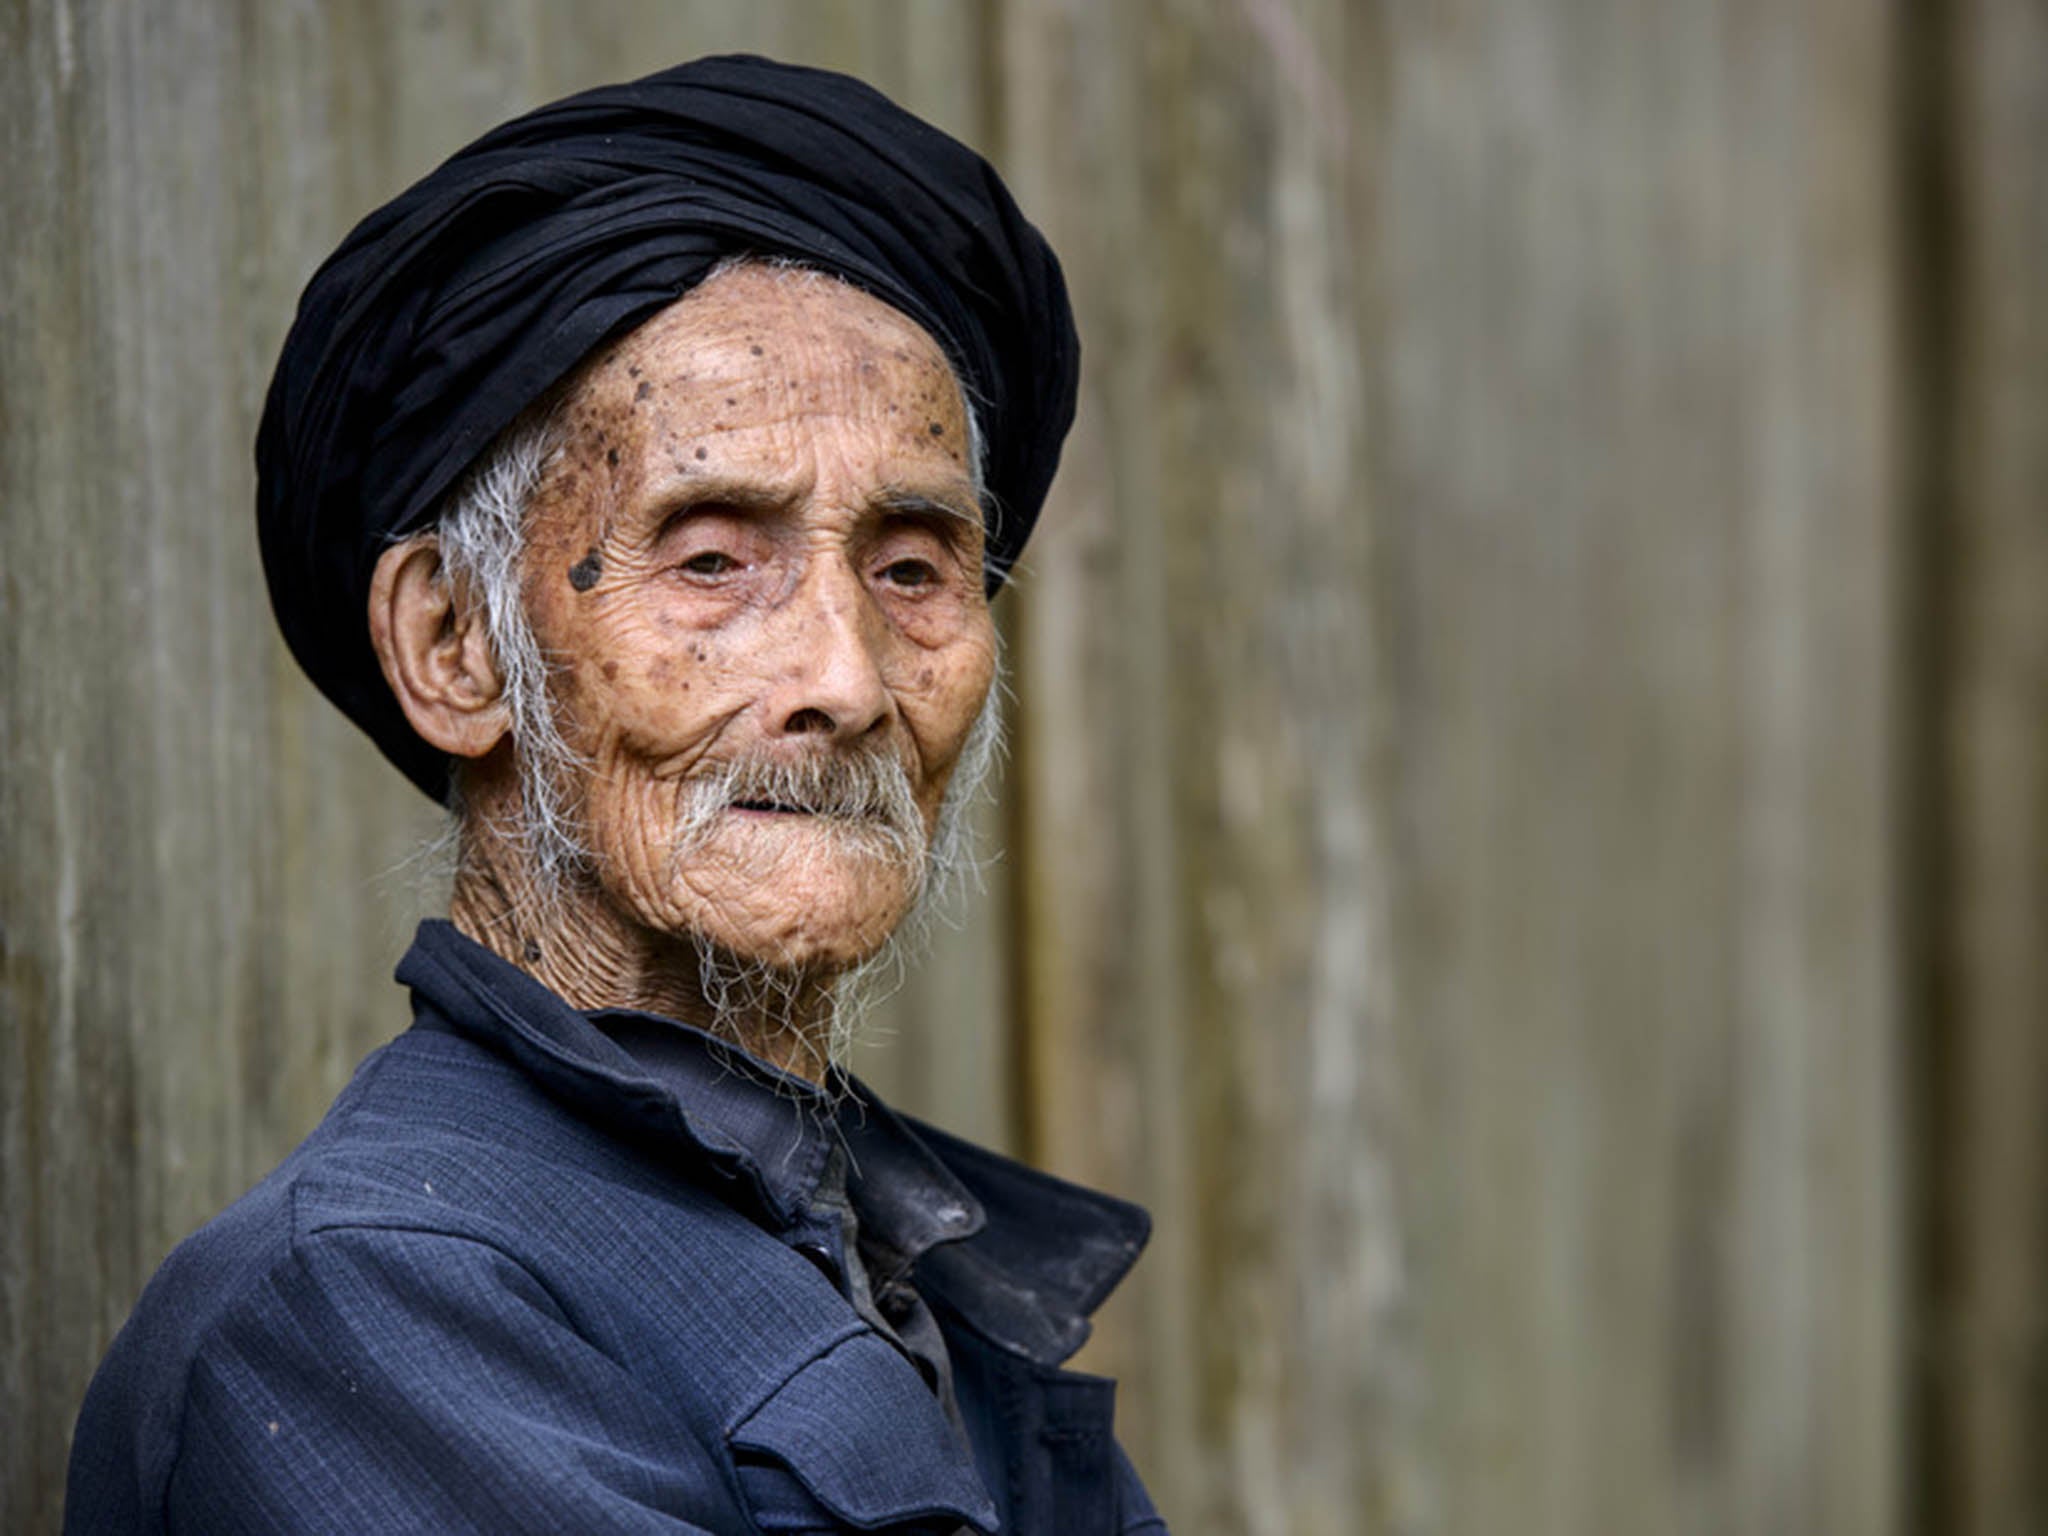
{"x":575,"y":943}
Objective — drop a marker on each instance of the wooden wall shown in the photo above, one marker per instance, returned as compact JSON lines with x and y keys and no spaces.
{"x":1980,"y":540}
{"x":1526,"y":839}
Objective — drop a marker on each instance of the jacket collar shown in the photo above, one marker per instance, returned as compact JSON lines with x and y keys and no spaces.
{"x":1019,"y":1256}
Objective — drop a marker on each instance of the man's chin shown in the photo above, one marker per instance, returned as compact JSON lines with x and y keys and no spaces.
{"x":773,"y":886}
{"x":816,"y":928}
{"x":767,"y":836}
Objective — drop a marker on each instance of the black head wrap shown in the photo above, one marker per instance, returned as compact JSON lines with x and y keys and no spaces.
{"x":453,"y":307}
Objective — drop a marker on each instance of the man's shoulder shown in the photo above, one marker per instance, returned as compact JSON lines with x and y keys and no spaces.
{"x":349,"y":1168}
{"x":439,"y":1132}
{"x":445,"y":1205}
{"x":438,"y":1136}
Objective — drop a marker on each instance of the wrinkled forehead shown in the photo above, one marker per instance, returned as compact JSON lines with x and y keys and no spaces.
{"x":753,"y":327}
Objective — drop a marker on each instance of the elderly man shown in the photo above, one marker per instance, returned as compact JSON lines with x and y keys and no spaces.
{"x":638,"y":481}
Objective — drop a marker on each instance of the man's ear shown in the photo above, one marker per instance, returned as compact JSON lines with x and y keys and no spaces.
{"x":435,"y":652}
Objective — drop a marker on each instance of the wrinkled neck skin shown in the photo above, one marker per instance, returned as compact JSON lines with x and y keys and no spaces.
{"x":582,"y":948}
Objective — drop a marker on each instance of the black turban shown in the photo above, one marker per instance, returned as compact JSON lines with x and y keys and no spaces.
{"x":459,"y":302}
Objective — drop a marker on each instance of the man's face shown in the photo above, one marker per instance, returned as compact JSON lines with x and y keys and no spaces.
{"x":760,"y":545}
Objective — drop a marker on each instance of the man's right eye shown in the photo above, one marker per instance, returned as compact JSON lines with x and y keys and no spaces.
{"x":710,"y":562}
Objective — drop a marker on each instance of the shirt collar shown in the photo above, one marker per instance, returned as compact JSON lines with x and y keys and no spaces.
{"x":905,"y":1200}
{"x":1018,"y":1255}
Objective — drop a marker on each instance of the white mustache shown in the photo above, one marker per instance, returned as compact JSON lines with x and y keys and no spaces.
{"x":866,"y":792}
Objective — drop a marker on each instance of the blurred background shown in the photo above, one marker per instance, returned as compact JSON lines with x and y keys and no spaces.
{"x":1526,"y":838}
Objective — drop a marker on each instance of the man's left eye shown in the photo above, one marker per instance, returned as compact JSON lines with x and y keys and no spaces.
{"x":909,"y":573}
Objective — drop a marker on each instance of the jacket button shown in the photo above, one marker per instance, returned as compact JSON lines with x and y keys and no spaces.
{"x":821,"y":1258}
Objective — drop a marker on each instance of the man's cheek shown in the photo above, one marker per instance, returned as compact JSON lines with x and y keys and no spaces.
{"x":653,"y":704}
{"x":942,"y":712}
{"x":631,"y":811}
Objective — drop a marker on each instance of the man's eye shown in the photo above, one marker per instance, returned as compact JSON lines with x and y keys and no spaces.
{"x":710,"y":562}
{"x":909,"y":573}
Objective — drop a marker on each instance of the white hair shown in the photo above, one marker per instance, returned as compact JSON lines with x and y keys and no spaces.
{"x":482,"y":539}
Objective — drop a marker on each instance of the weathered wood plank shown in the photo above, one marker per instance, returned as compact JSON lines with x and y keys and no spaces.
{"x":1203,"y":935}
{"x":1639,"y":418}
{"x":1987,"y":554}
{"x":153,"y":829}
{"x":1555,"y":648}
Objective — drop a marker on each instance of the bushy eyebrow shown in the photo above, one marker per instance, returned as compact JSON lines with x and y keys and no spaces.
{"x":741,"y":495}
{"x":904,"y":502}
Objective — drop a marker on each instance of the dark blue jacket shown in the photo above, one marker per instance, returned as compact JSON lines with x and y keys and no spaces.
{"x":515,"y":1283}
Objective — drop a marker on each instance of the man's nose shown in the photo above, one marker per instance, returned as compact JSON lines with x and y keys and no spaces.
{"x":831,"y":683}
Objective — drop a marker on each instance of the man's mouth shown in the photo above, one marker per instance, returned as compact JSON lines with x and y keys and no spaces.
{"x":861,"y":799}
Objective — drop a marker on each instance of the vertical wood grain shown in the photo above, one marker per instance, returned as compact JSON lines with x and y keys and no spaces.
{"x":167,"y":858}
{"x":1609,"y":595}
{"x":1986,"y":553}
{"x":1203,"y":939}
{"x":1641,"y":449}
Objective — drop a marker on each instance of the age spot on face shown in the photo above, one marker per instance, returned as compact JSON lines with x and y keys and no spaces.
{"x":584,"y":573}
{"x":646,"y":388}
